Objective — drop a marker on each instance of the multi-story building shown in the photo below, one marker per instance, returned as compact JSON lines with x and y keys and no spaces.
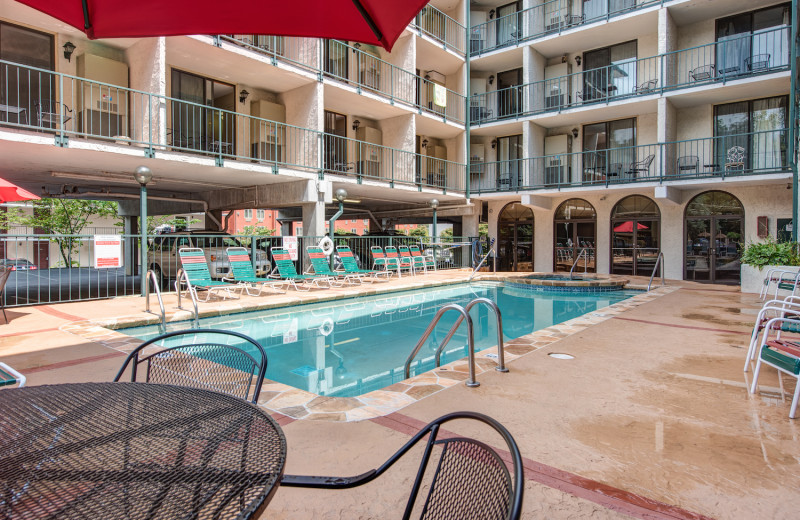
{"x":601,"y":130}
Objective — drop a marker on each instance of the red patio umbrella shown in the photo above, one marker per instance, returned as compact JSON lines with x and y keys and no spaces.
{"x":627,"y":227}
{"x":376,"y":22}
{"x":10,"y":192}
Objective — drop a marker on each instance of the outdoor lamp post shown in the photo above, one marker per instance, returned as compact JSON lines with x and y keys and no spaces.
{"x":434,"y":204}
{"x":340,"y":195}
{"x":143,"y":175}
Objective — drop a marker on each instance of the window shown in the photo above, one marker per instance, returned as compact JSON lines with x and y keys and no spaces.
{"x":195,"y":124}
{"x":260,"y":215}
{"x":299,"y":231}
{"x":366,"y":222}
{"x":248,"y":214}
{"x":754,"y":41}
{"x":608,"y":148}
{"x":610,"y":71}
{"x":509,"y":155}
{"x":22,"y":89}
{"x":755,"y":128}
{"x":353,"y":230}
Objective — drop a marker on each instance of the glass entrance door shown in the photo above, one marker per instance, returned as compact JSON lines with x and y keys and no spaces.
{"x":515,"y":238}
{"x":712,"y":249}
{"x":727,"y":242}
{"x":635,"y":247}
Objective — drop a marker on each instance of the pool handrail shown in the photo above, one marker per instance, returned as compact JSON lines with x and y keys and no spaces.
{"x":471,"y":382}
{"x":491,"y":250}
{"x":585,"y":264}
{"x":501,"y":365}
{"x":659,"y":261}
{"x":151,"y":275}
{"x":183,"y":277}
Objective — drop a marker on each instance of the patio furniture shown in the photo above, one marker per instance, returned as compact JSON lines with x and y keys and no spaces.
{"x":394,"y":259}
{"x":470,"y":480}
{"x":9,"y":376}
{"x":219,"y":360}
{"x":642,"y":166}
{"x":136,"y":451}
{"x":379,"y":258}
{"x":757,"y":62}
{"x":614,"y":170}
{"x":350,"y":266}
{"x":242,"y":272}
{"x":778,"y":276}
{"x":648,"y":87}
{"x":195,"y":274}
{"x":319,"y":263}
{"x":285,"y":271}
{"x":782,"y":353}
{"x":422,"y":260}
{"x":5,"y":273}
{"x":52,"y":113}
{"x":573,"y":19}
{"x":788,"y":307}
{"x":407,"y":258}
{"x":19,"y":112}
{"x":702,"y":73}
{"x":687,"y":163}
{"x":734,"y":158}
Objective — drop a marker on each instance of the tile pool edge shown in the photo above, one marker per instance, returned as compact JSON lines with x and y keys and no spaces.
{"x":300,"y":404}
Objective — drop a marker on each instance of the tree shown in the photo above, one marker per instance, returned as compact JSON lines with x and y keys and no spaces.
{"x":483,"y":229}
{"x":255,"y":231}
{"x":62,"y":218}
{"x":419,"y":231}
{"x":446,"y":235}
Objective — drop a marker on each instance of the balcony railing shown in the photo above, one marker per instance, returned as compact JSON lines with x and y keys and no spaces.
{"x":738,"y":57}
{"x":70,"y":107}
{"x":547,"y":18}
{"x":354,"y":66}
{"x":754,"y":153}
{"x":434,"y":23}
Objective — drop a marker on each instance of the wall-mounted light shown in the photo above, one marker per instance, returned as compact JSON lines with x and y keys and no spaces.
{"x":494,"y":144}
{"x":427,"y":77}
{"x":491,"y":14}
{"x":356,"y":47}
{"x":243,"y":95}
{"x":491,"y":79}
{"x":424,"y":143}
{"x":575,"y":133}
{"x":564,"y":58}
{"x":69,"y":48}
{"x":356,"y":124}
{"x":578,"y":60}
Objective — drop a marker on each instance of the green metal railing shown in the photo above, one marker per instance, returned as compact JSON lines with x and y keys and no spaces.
{"x":738,"y":57}
{"x":67,"y":106}
{"x":548,"y":18}
{"x":756,"y":153}
{"x":441,"y":27}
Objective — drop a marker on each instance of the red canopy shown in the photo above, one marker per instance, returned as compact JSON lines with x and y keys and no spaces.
{"x":10,"y":192}
{"x":376,"y":22}
{"x":627,"y":227}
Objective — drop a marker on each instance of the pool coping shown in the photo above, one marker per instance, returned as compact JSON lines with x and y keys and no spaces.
{"x":304,"y":405}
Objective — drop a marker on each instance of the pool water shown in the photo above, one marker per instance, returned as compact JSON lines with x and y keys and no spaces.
{"x":353,"y":346}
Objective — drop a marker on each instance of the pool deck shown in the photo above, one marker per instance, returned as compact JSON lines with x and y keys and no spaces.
{"x":650,"y":420}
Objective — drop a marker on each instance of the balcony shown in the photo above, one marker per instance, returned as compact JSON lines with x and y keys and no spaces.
{"x":757,"y":153}
{"x":741,"y":57}
{"x":548,"y":18}
{"x":68,"y":107}
{"x":437,"y":25}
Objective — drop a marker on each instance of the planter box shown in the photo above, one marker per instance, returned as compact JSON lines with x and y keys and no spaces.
{"x":753,"y":277}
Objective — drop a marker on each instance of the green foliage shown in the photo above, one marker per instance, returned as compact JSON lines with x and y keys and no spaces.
{"x":255,"y":231}
{"x":419,"y":231}
{"x":446,"y":235}
{"x":770,"y":252}
{"x":483,"y":229}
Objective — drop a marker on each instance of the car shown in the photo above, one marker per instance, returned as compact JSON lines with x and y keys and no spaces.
{"x":162,"y":253}
{"x":18,"y":264}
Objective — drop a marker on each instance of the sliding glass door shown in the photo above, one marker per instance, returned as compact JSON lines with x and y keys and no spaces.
{"x":753,"y":42}
{"x":204,"y":121}
{"x":508,"y":24}
{"x":609,"y":72}
{"x":751,"y":135}
{"x":509,"y":162}
{"x":608,"y":149}
{"x":21,"y":89}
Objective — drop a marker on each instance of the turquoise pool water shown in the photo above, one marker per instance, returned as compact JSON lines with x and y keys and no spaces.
{"x":353,"y":346}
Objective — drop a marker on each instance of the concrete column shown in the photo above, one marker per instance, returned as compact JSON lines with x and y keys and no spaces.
{"x":469,"y":223}
{"x":667,"y":42}
{"x":314,"y":219}
{"x":543,"y":239}
{"x":147,"y":64}
{"x":667,"y":126}
{"x":214,"y":220}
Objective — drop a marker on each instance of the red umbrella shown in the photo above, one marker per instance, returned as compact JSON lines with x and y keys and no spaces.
{"x":10,"y":192}
{"x":627,"y":227}
{"x":376,"y":22}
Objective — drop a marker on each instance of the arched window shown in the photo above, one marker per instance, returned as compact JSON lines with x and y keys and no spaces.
{"x":714,"y":225}
{"x":635,"y":236}
{"x":575,"y":223}
{"x":515,"y":238}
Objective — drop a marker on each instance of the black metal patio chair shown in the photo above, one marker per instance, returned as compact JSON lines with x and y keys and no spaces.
{"x":51,"y":113}
{"x":648,"y":87}
{"x":469,"y":480}
{"x":210,"y":359}
{"x":642,"y":166}
{"x":687,"y":163}
{"x":5,"y":272}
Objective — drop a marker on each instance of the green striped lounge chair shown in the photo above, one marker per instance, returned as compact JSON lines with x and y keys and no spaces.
{"x":781,"y":353}
{"x":421,"y":260}
{"x":379,"y":260}
{"x":350,"y":266}
{"x":402,"y":263}
{"x":242,"y":272}
{"x":284,"y":270}
{"x":10,"y":377}
{"x":319,"y":263}
{"x":197,"y":277}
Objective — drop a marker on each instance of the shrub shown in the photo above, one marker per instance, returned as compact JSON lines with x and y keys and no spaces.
{"x":770,"y":252}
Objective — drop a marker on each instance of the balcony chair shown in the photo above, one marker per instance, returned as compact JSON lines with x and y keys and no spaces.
{"x":469,"y":479}
{"x":210,"y":359}
{"x":642,"y":166}
{"x":757,"y":62}
{"x":52,"y":113}
{"x":702,"y":73}
{"x":614,"y":169}
{"x":573,"y":19}
{"x":648,"y":87}
{"x":687,"y":163}
{"x":734,"y":158}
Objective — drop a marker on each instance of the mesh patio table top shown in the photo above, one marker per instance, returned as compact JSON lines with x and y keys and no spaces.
{"x":135,"y":450}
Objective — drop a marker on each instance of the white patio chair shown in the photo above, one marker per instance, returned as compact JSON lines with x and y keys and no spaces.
{"x":781,"y":353}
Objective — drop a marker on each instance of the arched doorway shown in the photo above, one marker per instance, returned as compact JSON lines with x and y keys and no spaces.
{"x":575,"y":231}
{"x":515,"y":238}
{"x":714,"y":225}
{"x":635,"y":236}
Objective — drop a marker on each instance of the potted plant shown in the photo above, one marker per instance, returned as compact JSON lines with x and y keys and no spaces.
{"x":759,"y":257}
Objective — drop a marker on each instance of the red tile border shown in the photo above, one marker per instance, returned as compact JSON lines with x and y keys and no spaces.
{"x":674,"y":325}
{"x":47,"y":309}
{"x":24,"y":333}
{"x":607,"y":496}
{"x":72,"y":362}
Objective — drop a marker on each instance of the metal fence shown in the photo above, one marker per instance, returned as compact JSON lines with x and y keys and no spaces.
{"x":436,"y":24}
{"x":63,"y":268}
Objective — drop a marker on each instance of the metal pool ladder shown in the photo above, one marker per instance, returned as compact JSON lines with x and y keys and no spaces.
{"x":151,"y":276}
{"x":480,"y":264}
{"x":464,"y":312}
{"x":182,"y":276}
{"x":659,"y":261}
{"x":585,"y":253}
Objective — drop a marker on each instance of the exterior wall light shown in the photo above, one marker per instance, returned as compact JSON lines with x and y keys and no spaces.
{"x":243,"y":95}
{"x":356,"y":124}
{"x":69,"y":48}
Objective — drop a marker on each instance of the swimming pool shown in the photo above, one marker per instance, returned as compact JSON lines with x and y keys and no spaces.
{"x":352,"y":346}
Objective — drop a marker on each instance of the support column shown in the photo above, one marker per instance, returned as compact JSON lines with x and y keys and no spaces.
{"x":131,"y":248}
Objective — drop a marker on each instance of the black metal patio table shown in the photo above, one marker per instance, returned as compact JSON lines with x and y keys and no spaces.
{"x":135,"y":451}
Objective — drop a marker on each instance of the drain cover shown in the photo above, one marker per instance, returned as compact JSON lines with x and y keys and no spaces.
{"x":560,"y":356}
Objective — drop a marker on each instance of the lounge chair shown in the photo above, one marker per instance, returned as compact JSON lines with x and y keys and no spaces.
{"x":350,"y":266}
{"x":421,"y":259}
{"x":319,"y":263}
{"x":788,"y":307}
{"x":284,"y":270}
{"x":780,"y":277}
{"x":242,"y":272}
{"x":782,"y":353}
{"x":9,"y":376}
{"x":406,"y":257}
{"x":379,"y":259}
{"x":196,"y":276}
{"x":396,"y":262}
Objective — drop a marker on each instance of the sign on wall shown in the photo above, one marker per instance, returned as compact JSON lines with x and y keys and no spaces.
{"x":107,"y":251}
{"x":290,"y":244}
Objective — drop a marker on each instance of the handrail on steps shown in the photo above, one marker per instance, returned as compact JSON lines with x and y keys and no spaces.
{"x":501,"y":365}
{"x":585,"y":263}
{"x":152,"y":276}
{"x":480,"y":264}
{"x":659,"y":261}
{"x":182,"y":276}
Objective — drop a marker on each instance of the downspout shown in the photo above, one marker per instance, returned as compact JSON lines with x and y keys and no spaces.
{"x":331,"y":227}
{"x":792,"y":147}
{"x":150,"y":197}
{"x":467,"y":50}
